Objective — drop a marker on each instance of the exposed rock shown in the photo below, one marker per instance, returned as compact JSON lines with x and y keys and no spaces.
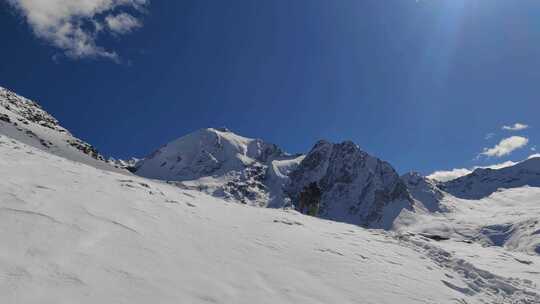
{"x":30,"y":124}
{"x":356,"y":187}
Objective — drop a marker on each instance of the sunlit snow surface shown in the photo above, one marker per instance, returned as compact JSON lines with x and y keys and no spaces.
{"x":508,"y":218}
{"x":72,"y":233}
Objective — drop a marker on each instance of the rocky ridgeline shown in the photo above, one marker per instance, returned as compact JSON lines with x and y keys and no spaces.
{"x":355,"y":186}
{"x":26,"y":111}
{"x":27,"y":121}
{"x":483,"y":182}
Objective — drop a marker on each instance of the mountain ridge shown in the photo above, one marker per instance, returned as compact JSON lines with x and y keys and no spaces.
{"x":357,"y":187}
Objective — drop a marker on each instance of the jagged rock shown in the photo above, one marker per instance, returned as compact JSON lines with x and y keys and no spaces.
{"x":30,"y":124}
{"x":356,"y":187}
{"x":28,"y":110}
{"x":5,"y":118}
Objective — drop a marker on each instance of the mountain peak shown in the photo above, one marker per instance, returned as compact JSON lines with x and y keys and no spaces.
{"x":356,"y":187}
{"x":205,"y":152}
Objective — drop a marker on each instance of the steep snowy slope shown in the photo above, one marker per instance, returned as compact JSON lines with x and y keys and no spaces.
{"x":424,"y":191}
{"x":26,"y":121}
{"x":224,"y":164}
{"x":356,"y":187}
{"x":72,"y":233}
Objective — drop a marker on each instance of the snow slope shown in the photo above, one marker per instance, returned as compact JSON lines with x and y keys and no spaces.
{"x":508,"y":218}
{"x":72,"y":233}
{"x":26,"y":121}
{"x":491,"y":207}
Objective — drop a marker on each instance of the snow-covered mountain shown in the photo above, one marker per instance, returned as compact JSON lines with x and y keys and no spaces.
{"x":492,"y":207}
{"x":72,"y":233}
{"x":356,"y":187}
{"x":483,"y":182}
{"x":224,"y":164}
{"x":206,"y":152}
{"x":25,"y":121}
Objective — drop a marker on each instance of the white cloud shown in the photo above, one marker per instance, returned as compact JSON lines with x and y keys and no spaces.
{"x":444,"y":176}
{"x":122,"y":23}
{"x":516,"y":127}
{"x":506,"y":146}
{"x":73,"y":25}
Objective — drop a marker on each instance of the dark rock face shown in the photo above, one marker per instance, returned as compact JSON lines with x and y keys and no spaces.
{"x":86,"y":148}
{"x":5,"y":118}
{"x":356,"y":187}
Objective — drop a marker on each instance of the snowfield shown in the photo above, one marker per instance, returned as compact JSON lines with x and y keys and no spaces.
{"x":508,"y":218}
{"x":72,"y":233}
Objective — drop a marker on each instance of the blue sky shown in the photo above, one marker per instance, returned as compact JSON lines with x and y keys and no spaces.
{"x":418,"y":83}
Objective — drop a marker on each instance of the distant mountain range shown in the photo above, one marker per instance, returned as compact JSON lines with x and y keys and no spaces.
{"x":356,"y":187}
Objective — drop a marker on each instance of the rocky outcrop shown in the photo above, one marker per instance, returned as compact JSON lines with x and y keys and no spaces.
{"x":25,"y":120}
{"x":27,"y":111}
{"x":356,"y":187}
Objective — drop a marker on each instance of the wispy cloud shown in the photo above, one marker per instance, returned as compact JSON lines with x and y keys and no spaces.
{"x":122,"y":23}
{"x":516,"y":127}
{"x":73,"y":25}
{"x":506,"y":146}
{"x":489,"y":136}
